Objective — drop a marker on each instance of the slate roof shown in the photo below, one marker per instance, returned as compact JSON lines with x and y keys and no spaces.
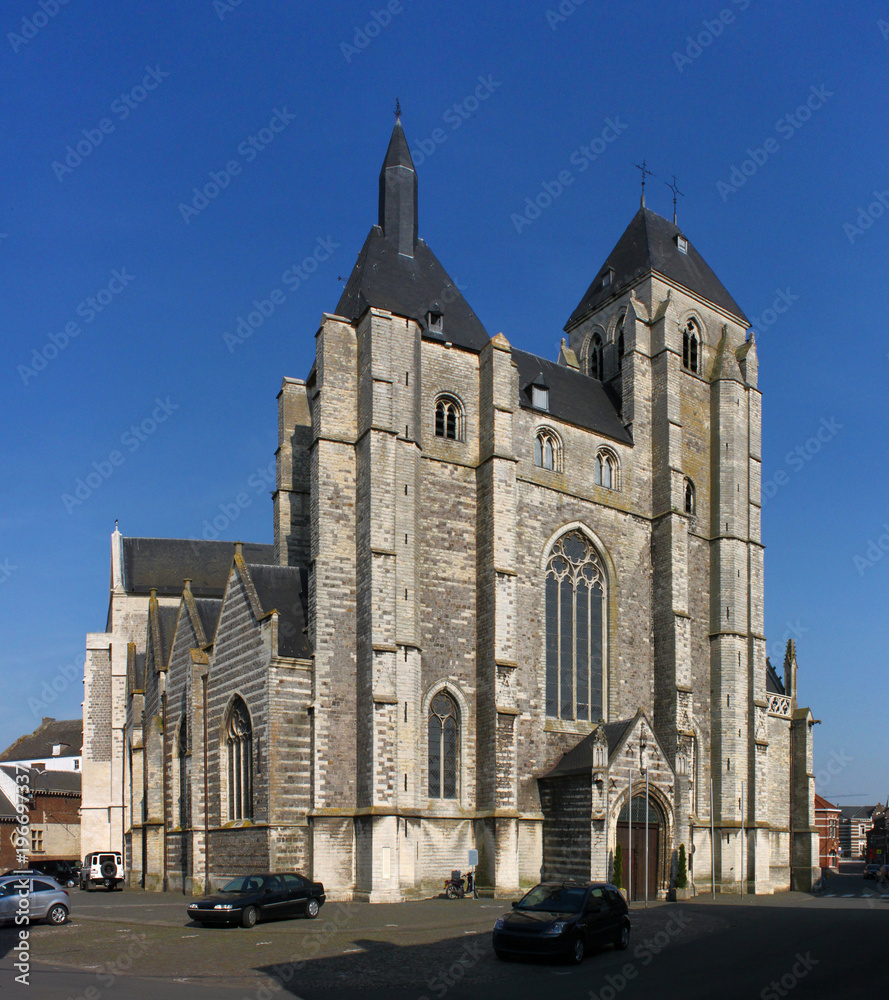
{"x":167,"y":616}
{"x":208,"y":613}
{"x":7,"y":809}
{"x":163,"y":563}
{"x":774,"y":684}
{"x":285,"y":589}
{"x":49,"y":782}
{"x":573,"y":396}
{"x":412,"y":287}
{"x":580,"y":758}
{"x":649,"y":244}
{"x":38,"y":745}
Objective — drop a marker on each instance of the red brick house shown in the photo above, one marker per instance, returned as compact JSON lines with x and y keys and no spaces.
{"x":827,"y":821}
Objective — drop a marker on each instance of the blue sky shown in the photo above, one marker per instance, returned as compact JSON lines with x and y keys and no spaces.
{"x":773,"y":121}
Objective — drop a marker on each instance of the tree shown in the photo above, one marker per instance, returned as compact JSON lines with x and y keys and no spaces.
{"x":619,"y":867}
{"x":681,"y":870}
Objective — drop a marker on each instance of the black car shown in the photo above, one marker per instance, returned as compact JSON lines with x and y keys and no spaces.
{"x":564,"y":919}
{"x":249,"y":898}
{"x":871,"y":871}
{"x":64,"y":872}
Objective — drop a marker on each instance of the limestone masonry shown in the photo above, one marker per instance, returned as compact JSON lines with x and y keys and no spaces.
{"x":505,"y":598}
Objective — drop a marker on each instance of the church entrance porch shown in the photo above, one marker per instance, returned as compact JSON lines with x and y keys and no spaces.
{"x":633,"y":838}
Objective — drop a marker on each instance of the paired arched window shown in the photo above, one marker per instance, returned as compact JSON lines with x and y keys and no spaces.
{"x":575,"y":629}
{"x":239,"y":751}
{"x":448,"y":418}
{"x":444,"y":734}
{"x":691,"y":346}
{"x":689,"y":497}
{"x":548,"y":450}
{"x":596,"y":358}
{"x":184,"y":776}
{"x":606,"y":470}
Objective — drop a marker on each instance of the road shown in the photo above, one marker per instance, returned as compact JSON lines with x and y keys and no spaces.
{"x":138,"y":945}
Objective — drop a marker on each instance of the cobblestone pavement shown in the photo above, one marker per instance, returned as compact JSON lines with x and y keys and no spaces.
{"x":429,"y":945}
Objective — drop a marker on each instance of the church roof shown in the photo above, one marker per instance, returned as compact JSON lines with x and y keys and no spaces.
{"x":164,"y":621}
{"x":164,"y":563}
{"x":285,"y":589}
{"x":650,"y":243}
{"x":573,"y":396}
{"x":580,"y":758}
{"x":774,"y":684}
{"x":397,"y":271}
{"x":34,"y":746}
{"x":208,"y":611}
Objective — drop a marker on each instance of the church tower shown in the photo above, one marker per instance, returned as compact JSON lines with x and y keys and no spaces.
{"x":659,"y":328}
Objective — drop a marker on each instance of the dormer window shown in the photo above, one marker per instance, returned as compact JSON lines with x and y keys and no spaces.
{"x":540,"y":397}
{"x":682,"y":243}
{"x":56,"y":749}
{"x":607,"y":277}
{"x":435,"y":323}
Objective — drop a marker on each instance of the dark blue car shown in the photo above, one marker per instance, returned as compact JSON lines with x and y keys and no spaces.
{"x":564,"y":919}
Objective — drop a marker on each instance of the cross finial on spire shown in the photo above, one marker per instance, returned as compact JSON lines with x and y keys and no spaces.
{"x":645,"y":170}
{"x":675,"y":191}
{"x":397,"y":110}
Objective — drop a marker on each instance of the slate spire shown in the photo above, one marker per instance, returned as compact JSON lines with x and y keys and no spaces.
{"x":398,"y":194}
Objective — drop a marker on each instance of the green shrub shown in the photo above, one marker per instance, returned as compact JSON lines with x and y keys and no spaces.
{"x":619,"y":867}
{"x":682,"y":870}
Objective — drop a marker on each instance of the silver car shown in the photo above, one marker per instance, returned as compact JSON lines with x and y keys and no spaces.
{"x":37,"y":896}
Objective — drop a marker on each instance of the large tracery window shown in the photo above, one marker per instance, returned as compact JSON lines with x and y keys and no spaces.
{"x":239,"y":745}
{"x":444,"y":731}
{"x":575,"y":629}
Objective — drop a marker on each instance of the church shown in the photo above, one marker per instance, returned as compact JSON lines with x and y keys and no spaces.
{"x":513,"y":605}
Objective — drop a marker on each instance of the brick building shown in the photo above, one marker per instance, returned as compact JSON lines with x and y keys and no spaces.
{"x":827,"y":820}
{"x":506,"y":595}
{"x":855,"y":821}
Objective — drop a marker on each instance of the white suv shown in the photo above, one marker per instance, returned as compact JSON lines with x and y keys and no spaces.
{"x":102,"y":868}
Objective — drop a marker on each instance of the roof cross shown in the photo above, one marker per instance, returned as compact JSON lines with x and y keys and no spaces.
{"x":675,"y":191}
{"x":645,"y":171}
{"x":397,"y":109}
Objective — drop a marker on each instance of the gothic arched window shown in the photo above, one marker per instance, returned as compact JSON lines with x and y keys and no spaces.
{"x":548,"y":451}
{"x":691,"y":342}
{"x":444,"y":732}
{"x":184,"y":776}
{"x":596,"y":357}
{"x":620,"y":339}
{"x":239,"y":749}
{"x":689,"y":497}
{"x":448,"y":418}
{"x":575,"y":629}
{"x":606,"y":470}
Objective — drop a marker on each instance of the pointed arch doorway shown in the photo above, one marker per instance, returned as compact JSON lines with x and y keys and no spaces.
{"x":656,"y":856}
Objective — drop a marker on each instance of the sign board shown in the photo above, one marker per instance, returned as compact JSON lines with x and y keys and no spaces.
{"x":473,"y":859}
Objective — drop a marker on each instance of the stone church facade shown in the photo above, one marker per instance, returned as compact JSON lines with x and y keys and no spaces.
{"x":512,"y":605}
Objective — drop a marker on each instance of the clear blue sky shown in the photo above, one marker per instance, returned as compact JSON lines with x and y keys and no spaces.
{"x":153,"y":102}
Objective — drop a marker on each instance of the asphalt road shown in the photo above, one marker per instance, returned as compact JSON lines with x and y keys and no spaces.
{"x":139,"y":945}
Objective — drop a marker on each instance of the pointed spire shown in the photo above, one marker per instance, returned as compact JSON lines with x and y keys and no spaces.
{"x":398,"y":193}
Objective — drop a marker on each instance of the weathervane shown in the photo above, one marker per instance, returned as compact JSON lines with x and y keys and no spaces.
{"x":675,"y":191}
{"x":397,"y":109}
{"x":645,"y":171}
